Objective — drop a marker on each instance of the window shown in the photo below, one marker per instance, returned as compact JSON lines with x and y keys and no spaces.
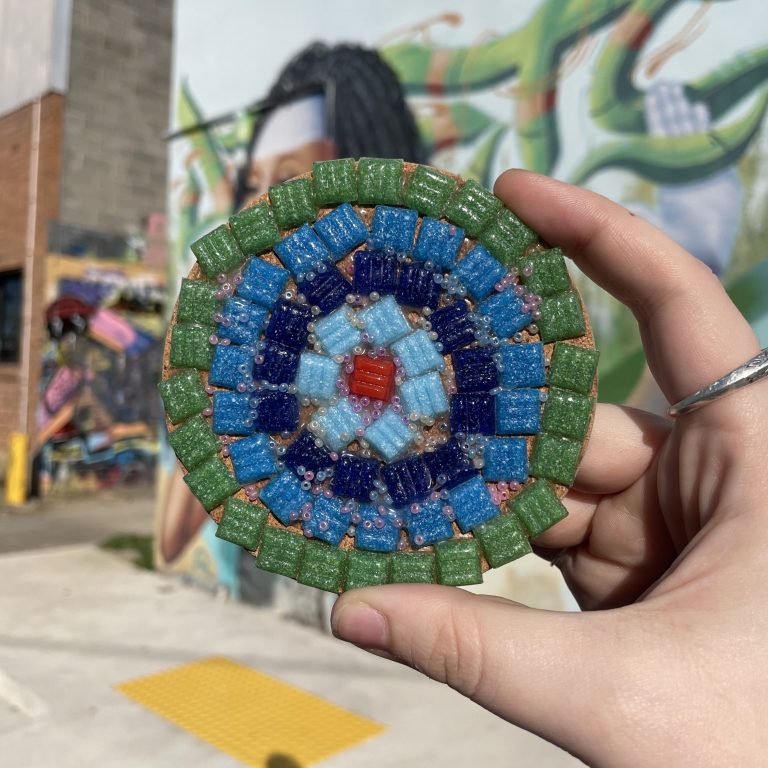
{"x":10,"y":316}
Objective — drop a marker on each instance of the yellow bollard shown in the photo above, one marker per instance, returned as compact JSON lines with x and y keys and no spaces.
{"x":16,"y":479}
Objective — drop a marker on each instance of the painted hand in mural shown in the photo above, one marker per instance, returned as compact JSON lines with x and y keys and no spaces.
{"x":702,"y":216}
{"x":663,"y":545}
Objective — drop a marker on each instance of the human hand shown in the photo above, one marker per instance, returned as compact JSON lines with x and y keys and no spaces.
{"x":665,"y":542}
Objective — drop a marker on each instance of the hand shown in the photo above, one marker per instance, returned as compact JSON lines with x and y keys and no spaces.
{"x":665,"y":543}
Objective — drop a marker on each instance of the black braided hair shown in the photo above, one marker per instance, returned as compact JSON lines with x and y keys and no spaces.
{"x":366,"y":113}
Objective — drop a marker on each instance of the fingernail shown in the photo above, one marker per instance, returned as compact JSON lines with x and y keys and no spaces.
{"x":361,"y":625}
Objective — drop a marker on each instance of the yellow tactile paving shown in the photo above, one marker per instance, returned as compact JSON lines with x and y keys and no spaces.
{"x":247,"y":714}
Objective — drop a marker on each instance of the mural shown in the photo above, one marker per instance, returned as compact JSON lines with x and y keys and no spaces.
{"x":97,"y":414}
{"x":657,"y":103}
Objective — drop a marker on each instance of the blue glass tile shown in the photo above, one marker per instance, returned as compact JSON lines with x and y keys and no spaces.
{"x":304,"y":453}
{"x":453,"y":326}
{"x":479,"y":272}
{"x":375,"y":271}
{"x":232,"y":414}
{"x":339,"y":424}
{"x":279,"y":366}
{"x":341,"y":230}
{"x":424,"y":395}
{"x":389,"y":435}
{"x":252,"y":458}
{"x":393,"y":228}
{"x":288,"y":324}
{"x":262,"y":282}
{"x":505,"y":311}
{"x":407,"y":481}
{"x":354,"y":476}
{"x":327,"y":290}
{"x":506,"y":459}
{"x":384,"y":322}
{"x":376,"y":532}
{"x":227,"y":363}
{"x":522,"y":365}
{"x":418,"y":353}
{"x":475,"y":370}
{"x":243,"y":321}
{"x":328,"y":523}
{"x":438,"y":242}
{"x":472,"y":504}
{"x":302,"y":250}
{"x":518,"y":412}
{"x":275,"y":411}
{"x":337,"y":333}
{"x":473,"y":413}
{"x":284,"y":495}
{"x":317,"y":377}
{"x":416,"y":287}
{"x":449,"y":465}
{"x":429,"y":524}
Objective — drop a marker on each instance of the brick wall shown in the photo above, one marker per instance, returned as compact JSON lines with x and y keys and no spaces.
{"x":16,"y":138}
{"x":114,"y":158}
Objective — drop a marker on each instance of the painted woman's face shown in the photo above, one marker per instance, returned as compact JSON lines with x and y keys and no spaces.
{"x":266,"y":171}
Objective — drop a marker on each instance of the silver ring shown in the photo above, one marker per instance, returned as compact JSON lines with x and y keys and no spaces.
{"x":753,"y":370}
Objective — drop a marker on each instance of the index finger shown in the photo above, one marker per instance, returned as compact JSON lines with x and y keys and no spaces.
{"x":691,"y":330}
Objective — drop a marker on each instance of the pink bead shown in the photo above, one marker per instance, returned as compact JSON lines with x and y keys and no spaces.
{"x":213,"y":339}
{"x":379,"y":522}
{"x":207,"y":411}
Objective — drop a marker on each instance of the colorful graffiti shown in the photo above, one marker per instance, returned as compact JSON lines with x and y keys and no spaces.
{"x":97,"y":414}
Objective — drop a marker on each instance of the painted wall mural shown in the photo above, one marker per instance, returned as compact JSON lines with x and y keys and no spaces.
{"x":659,"y":104}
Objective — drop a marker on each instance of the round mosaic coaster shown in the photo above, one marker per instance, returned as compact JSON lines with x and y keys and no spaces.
{"x":377,"y":373}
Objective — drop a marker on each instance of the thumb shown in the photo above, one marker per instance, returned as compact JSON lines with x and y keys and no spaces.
{"x":541,"y":670}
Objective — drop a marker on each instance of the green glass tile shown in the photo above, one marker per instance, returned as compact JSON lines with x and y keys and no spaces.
{"x":412,"y":568}
{"x":561,"y":317}
{"x":555,"y":458}
{"x":567,"y":413}
{"x":550,"y":274}
{"x":280,"y":551}
{"x":197,"y":302}
{"x":242,"y":523}
{"x":458,"y":562}
{"x":471,"y":207}
{"x":379,"y":181}
{"x":507,"y":238}
{"x":183,"y":395}
{"x":335,"y":181}
{"x":193,"y":441}
{"x":366,"y":569}
{"x":255,"y":229}
{"x":211,"y":482}
{"x":190,"y":347}
{"x":502,"y":540}
{"x":322,"y":566}
{"x":573,"y":368}
{"x":218,"y":252}
{"x":427,"y":190}
{"x":538,"y":508}
{"x":293,"y":203}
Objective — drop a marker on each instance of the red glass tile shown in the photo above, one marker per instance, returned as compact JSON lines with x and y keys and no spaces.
{"x":373,"y":377}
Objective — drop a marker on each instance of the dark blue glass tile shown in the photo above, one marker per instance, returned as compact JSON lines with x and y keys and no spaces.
{"x":407,"y":481}
{"x":449,"y":465}
{"x":375,"y":271}
{"x":473,"y":413}
{"x":275,"y":411}
{"x":279,"y":366}
{"x":416,"y":287}
{"x":288,"y":324}
{"x":328,"y":290}
{"x":453,"y":326}
{"x":475,"y":370}
{"x":354,"y":477}
{"x":303,"y":452}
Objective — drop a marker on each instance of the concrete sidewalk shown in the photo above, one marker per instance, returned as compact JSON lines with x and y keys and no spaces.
{"x":75,"y":621}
